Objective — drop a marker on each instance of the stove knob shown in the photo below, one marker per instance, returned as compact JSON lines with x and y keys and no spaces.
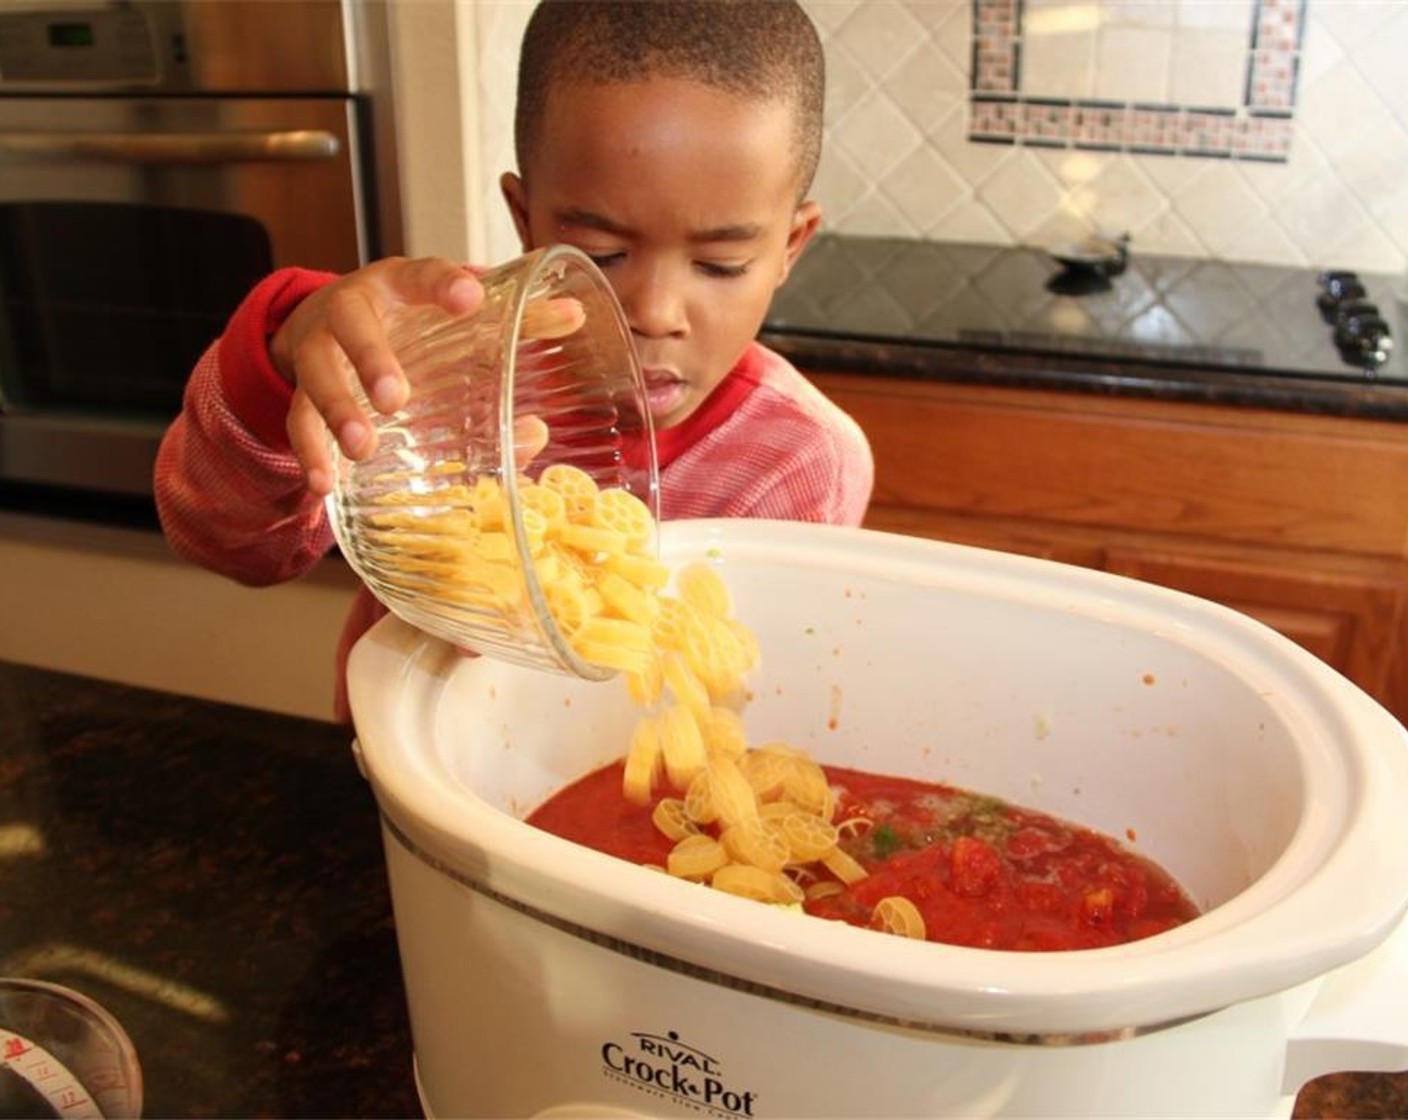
{"x":1354,"y":308}
{"x":1337,"y":287}
{"x":1336,"y":282}
{"x":1362,"y":334}
{"x":1330,"y":298}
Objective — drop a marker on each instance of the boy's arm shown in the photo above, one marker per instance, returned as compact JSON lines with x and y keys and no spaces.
{"x":241,"y":472}
{"x":230,"y":493}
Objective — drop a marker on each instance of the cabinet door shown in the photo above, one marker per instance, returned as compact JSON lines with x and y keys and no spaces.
{"x":1344,"y":614}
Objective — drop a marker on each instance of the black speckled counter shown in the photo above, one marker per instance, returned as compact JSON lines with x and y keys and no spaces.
{"x":1167,"y":328}
{"x":213,"y":876}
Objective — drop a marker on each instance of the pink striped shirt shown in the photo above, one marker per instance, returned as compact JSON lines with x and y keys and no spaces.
{"x":231,"y":495}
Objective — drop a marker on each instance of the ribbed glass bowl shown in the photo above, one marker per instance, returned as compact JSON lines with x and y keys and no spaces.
{"x":434,"y":520}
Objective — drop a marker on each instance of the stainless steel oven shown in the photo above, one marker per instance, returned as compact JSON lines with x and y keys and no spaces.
{"x":156,"y":160}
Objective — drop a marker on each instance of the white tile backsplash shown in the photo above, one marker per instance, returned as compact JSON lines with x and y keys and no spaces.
{"x":876,"y":133}
{"x":1063,"y":65}
{"x":1131,"y":64}
{"x":879,"y":36}
{"x":898,"y":160}
{"x":1206,"y":68}
{"x":1022,"y":194}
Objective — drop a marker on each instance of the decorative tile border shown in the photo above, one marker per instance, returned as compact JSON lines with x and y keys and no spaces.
{"x":1258,"y":129}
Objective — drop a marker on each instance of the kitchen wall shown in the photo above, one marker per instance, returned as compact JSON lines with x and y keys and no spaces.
{"x":431,"y":45}
{"x":117,"y":604}
{"x":1326,"y":184}
{"x":898,"y":161}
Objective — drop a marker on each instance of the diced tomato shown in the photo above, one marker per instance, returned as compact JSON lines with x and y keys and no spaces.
{"x":1041,"y":898}
{"x":975,"y":867}
{"x":1028,"y":842}
{"x":1098,"y":907}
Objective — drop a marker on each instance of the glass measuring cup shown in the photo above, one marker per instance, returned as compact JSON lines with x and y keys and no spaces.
{"x":542,"y":376}
{"x":61,"y":1054}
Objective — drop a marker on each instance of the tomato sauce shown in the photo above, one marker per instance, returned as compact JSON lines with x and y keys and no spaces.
{"x":981,"y":871}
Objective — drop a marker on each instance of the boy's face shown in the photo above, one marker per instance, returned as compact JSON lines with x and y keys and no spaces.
{"x":685,"y":196}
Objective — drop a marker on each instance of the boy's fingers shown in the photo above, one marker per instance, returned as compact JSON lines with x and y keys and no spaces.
{"x":307,"y":435}
{"x":342,"y":333}
{"x":356,"y":318}
{"x":324,"y":385}
{"x":546,"y":319}
{"x":530,"y":436}
{"x":433,"y":280}
{"x":358,"y":331}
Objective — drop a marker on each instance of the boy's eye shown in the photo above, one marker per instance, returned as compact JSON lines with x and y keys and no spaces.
{"x":722,"y":271}
{"x":606,"y":260}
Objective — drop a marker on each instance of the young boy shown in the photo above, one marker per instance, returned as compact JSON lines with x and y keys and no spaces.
{"x":674,"y":142}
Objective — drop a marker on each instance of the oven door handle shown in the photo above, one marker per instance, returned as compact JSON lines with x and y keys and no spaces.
{"x":291,"y":145}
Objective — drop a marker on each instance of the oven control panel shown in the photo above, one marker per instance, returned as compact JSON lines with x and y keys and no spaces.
{"x":179,"y":47}
{"x":77,"y":45}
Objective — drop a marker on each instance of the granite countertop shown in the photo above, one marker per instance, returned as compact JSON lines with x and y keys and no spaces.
{"x":213,"y":876}
{"x":1166,"y":328}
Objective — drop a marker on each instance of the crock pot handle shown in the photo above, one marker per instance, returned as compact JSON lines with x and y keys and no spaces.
{"x":1356,"y":1021}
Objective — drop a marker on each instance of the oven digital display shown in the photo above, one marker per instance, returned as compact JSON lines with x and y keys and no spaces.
{"x":71,"y":34}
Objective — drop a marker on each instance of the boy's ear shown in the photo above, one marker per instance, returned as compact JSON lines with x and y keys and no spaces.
{"x":517,"y":198}
{"x":804,"y":226}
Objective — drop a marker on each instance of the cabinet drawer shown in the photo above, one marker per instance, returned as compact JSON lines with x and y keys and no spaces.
{"x":1220,"y":473}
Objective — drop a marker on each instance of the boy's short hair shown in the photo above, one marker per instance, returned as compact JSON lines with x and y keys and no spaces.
{"x":767,"y":49}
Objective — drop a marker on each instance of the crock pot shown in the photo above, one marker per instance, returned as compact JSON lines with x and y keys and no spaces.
{"x":545,"y":979}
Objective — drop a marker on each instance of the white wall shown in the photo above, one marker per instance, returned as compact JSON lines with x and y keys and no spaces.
{"x":433,"y":48}
{"x":117,"y":605}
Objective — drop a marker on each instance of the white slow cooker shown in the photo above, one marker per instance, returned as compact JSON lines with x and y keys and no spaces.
{"x":545,"y":979}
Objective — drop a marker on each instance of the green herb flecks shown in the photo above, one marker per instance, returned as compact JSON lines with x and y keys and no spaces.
{"x":884,"y":841}
{"x":988,"y":820}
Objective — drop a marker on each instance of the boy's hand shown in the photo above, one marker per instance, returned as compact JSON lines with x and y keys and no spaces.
{"x":342,"y":328}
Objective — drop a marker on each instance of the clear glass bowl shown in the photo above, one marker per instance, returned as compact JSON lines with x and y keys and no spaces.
{"x":434,"y":521}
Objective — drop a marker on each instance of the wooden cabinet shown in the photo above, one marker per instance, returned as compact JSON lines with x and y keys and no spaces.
{"x":1298,"y":520}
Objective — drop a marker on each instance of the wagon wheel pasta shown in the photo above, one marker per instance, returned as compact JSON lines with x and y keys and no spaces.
{"x":671,"y":818}
{"x":750,"y":821}
{"x":590,"y":552}
{"x":681,"y":746}
{"x":687,"y":688}
{"x":753,"y":821}
{"x":808,"y":837}
{"x":750,"y":882}
{"x":757,"y":843}
{"x":896,"y":914}
{"x":696,"y":857}
{"x":642,"y":762}
{"x":723,"y":731}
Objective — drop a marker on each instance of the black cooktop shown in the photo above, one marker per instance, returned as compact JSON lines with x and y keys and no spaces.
{"x":1176,"y":310}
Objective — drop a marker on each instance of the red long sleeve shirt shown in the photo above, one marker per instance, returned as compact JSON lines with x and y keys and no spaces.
{"x":232,"y":498}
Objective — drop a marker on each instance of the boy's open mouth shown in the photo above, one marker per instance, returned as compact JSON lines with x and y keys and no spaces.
{"x":665,"y":390}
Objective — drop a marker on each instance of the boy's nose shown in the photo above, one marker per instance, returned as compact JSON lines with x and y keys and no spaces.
{"x":653,"y":308}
